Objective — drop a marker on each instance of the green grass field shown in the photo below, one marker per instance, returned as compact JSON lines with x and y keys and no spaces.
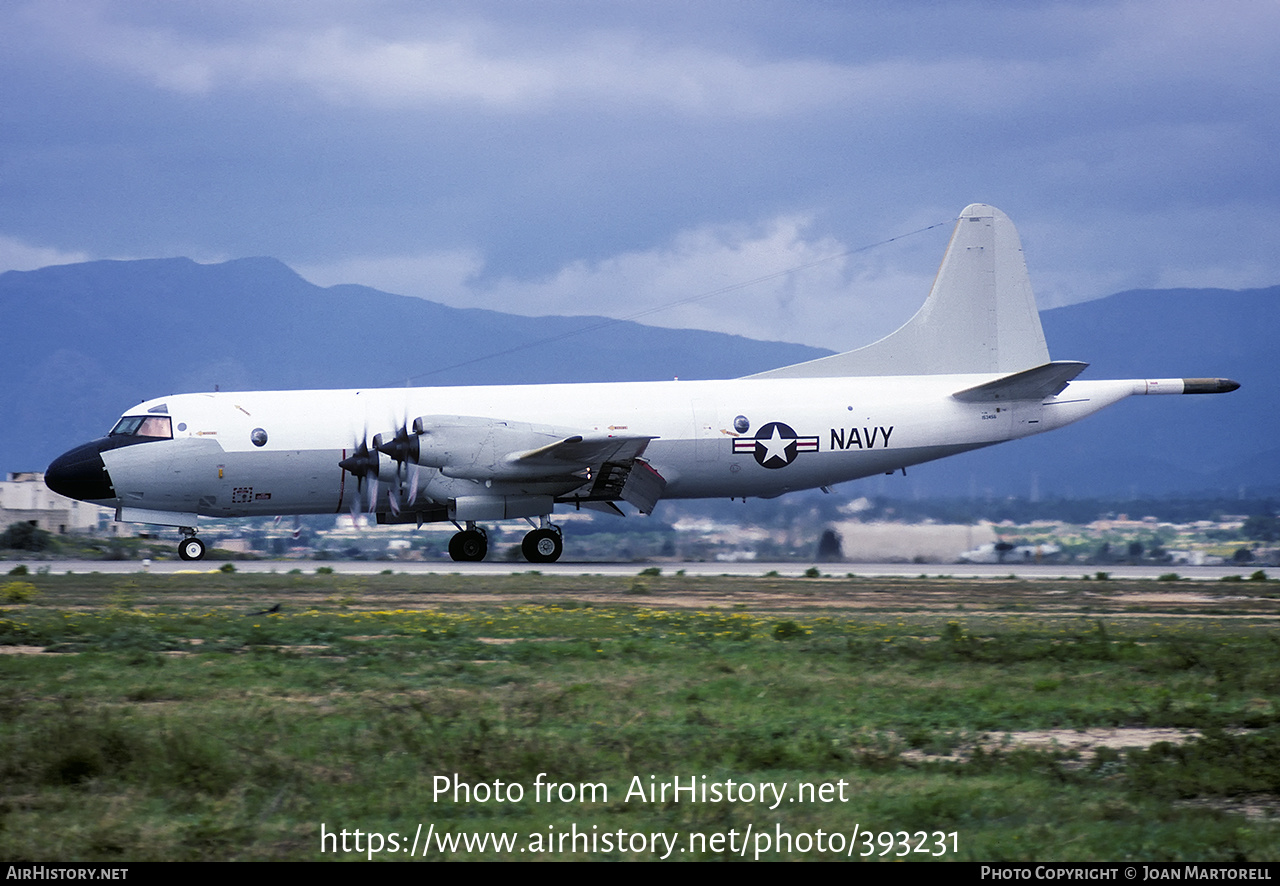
{"x":155,"y":717}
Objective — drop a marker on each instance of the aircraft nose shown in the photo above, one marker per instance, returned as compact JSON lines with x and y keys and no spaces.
{"x":80,"y":473}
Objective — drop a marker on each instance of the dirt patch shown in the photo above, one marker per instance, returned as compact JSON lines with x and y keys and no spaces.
{"x":1084,"y":742}
{"x":1178,"y":598}
{"x":1255,"y":806}
{"x":1088,"y":740}
{"x":769,"y":595}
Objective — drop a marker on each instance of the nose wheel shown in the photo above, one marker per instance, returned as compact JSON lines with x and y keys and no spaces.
{"x":542,"y":545}
{"x":191,"y":548}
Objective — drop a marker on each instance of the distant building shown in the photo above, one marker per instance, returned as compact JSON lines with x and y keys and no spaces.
{"x":25,"y":499}
{"x":880,"y":542}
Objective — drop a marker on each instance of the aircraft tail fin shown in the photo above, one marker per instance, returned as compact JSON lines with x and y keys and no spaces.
{"x":980,"y":315}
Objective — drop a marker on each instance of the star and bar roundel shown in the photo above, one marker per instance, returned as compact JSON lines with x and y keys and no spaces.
{"x":775,"y":445}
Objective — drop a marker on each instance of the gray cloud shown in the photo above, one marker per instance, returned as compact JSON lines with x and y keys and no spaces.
{"x":620,"y":158}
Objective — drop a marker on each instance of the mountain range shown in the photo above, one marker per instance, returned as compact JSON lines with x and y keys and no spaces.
{"x":84,"y":341}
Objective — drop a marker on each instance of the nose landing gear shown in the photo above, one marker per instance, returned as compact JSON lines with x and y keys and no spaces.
{"x":190,"y":548}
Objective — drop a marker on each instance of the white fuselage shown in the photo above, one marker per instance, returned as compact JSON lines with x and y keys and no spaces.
{"x":820,"y":432}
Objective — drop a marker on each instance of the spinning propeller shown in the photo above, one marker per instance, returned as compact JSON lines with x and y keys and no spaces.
{"x":403,"y":450}
{"x":367,"y":464}
{"x":363,"y":463}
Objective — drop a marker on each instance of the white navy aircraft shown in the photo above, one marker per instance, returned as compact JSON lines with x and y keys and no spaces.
{"x":970,"y":369}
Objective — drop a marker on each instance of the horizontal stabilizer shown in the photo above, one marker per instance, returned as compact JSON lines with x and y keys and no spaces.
{"x":1030,"y":384}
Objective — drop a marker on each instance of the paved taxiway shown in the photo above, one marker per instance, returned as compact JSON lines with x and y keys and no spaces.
{"x":792,"y":569}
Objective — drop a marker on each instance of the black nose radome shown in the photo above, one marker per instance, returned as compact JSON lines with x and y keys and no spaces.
{"x":79,"y":473}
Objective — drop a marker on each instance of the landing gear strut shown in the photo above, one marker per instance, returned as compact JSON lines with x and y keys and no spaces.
{"x":469,"y":545}
{"x":190,"y":548}
{"x":543,"y":545}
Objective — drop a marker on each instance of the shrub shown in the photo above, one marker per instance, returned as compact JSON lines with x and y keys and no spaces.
{"x":785,"y":630}
{"x":18,"y":592}
{"x":25,"y":536}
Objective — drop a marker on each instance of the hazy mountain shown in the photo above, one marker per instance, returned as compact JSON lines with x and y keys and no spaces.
{"x":85,"y":341}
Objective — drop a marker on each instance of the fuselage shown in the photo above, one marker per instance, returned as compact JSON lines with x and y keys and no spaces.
{"x":236,"y":454}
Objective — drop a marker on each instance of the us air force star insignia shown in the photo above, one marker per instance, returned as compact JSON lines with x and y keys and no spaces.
{"x":775,"y":445}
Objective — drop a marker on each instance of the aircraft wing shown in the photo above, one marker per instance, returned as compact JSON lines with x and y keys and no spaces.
{"x":598,"y":468}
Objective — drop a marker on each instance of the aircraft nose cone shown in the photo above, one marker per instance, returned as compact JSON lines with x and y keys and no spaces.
{"x":80,"y":473}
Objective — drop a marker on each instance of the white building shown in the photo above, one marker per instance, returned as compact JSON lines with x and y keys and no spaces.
{"x":25,"y":498}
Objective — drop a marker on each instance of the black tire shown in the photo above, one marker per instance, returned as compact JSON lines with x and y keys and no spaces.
{"x":468,"y":546}
{"x":542,"y":546}
{"x":191,"y":549}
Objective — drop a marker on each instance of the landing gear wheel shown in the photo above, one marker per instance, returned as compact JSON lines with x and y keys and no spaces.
{"x":191,"y":549}
{"x":542,"y":546}
{"x":469,"y":545}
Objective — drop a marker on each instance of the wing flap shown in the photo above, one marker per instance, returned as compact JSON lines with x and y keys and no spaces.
{"x":644,"y":486}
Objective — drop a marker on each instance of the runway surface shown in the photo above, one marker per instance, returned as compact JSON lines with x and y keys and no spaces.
{"x":789,"y":569}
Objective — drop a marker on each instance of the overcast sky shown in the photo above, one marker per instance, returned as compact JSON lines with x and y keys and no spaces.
{"x":620,"y":158}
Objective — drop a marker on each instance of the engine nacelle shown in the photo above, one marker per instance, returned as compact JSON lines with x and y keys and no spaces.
{"x":479,"y":448}
{"x":500,"y":507}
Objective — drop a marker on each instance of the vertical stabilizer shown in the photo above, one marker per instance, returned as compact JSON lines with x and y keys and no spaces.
{"x":980,"y":315}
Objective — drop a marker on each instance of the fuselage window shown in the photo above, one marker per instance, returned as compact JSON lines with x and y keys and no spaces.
{"x":157,"y":426}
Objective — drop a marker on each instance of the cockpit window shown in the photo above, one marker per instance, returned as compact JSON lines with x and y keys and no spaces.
{"x":157,"y":426}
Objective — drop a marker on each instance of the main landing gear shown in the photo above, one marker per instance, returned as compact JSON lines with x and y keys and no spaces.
{"x":469,"y":545}
{"x":190,"y":548}
{"x":541,"y":545}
